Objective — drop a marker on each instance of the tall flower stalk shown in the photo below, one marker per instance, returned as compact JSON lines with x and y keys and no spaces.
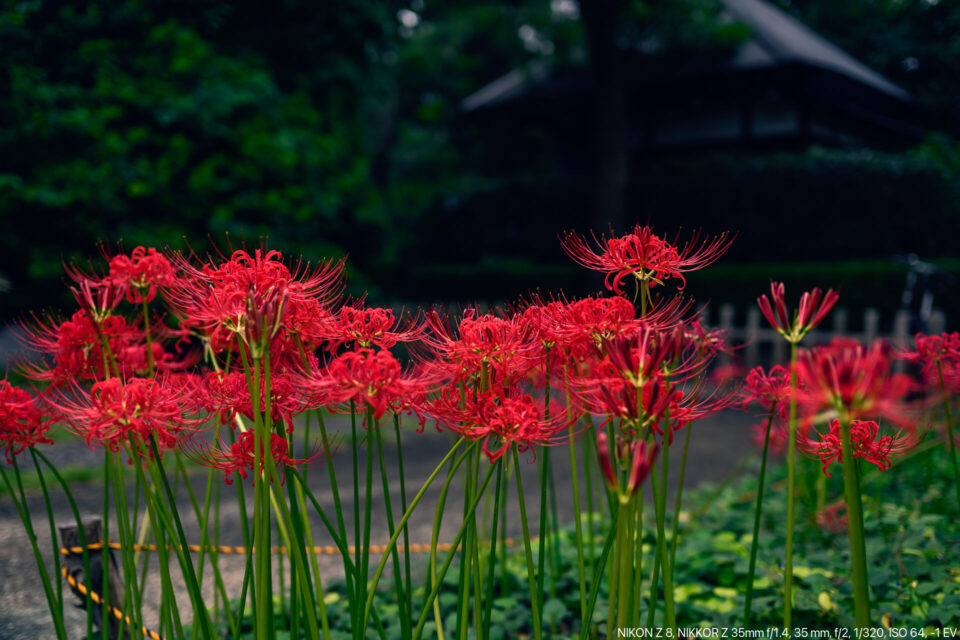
{"x":813,"y":308}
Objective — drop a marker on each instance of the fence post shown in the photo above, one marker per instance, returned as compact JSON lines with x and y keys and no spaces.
{"x":937,"y":324}
{"x":752,"y":337}
{"x":840,"y":322}
{"x":73,"y":563}
{"x":871,"y":325}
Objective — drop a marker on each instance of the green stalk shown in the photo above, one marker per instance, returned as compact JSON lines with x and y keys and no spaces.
{"x":534,"y":601}
{"x":401,"y":524}
{"x":624,"y":554}
{"x":23,"y":511}
{"x":791,"y":481}
{"x":154,"y":509}
{"x":463,"y":588}
{"x":491,"y":559}
{"x":105,"y":615}
{"x":596,"y":579}
{"x":858,"y":559}
{"x":131,"y":600}
{"x":949,"y":419}
{"x":367,"y":511}
{"x":202,"y":519}
{"x":581,"y":572}
{"x":397,"y":575}
{"x":431,"y":597}
{"x":186,"y":562}
{"x":544,"y":473}
{"x":80,"y":533}
{"x":53,"y":531}
{"x":754,"y":546}
{"x":676,"y":508}
{"x":408,"y":586}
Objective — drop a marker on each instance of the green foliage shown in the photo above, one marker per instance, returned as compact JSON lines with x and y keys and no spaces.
{"x":912,"y":542}
{"x":145,"y":121}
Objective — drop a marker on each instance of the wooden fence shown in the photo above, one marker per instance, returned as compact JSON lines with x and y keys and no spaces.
{"x":757,"y":343}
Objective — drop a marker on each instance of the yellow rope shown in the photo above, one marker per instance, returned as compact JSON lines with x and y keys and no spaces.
{"x":93,"y":595}
{"x":196,"y":548}
{"x":329,"y":550}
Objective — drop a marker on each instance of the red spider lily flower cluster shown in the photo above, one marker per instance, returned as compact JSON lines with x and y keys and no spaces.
{"x":848,"y":379}
{"x":833,"y":518}
{"x":866,"y":441}
{"x":114,"y":411}
{"x":165,"y":344}
{"x":637,"y":456}
{"x":22,"y":423}
{"x":370,"y":378}
{"x":814,"y":307}
{"x":644,"y":255}
{"x":141,"y":274}
{"x":241,"y":457}
{"x":938,"y":356}
{"x":768,"y":389}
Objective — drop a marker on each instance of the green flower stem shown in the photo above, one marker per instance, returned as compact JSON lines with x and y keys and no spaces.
{"x":131,"y":599}
{"x":624,"y":554}
{"x":402,"y":523}
{"x":858,"y":560}
{"x":23,"y":511}
{"x":534,"y":600}
{"x":408,"y":586}
{"x":431,"y":597}
{"x":581,"y":572}
{"x":544,"y":468}
{"x":368,"y":512}
{"x":754,"y":543}
{"x":203,"y":519}
{"x":596,"y":579}
{"x":491,"y":559}
{"x":463,"y":586}
{"x":186,"y":562}
{"x":949,"y":418}
{"x":397,"y":574}
{"x":105,"y":616}
{"x":791,"y":491}
{"x":169,"y":611}
{"x":80,"y":532}
{"x":676,"y":508}
{"x":53,"y":531}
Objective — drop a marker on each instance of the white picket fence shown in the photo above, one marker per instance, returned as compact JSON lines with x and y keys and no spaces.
{"x":756,"y":343}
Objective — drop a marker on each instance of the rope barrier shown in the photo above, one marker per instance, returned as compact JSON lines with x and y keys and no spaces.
{"x":196,"y":548}
{"x":329,"y":550}
{"x":119,"y":615}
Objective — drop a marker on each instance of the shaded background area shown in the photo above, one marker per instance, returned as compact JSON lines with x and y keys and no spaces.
{"x":443,"y":146}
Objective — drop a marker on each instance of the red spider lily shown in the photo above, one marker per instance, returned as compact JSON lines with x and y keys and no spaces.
{"x":98,"y":298}
{"x":504,"y":348}
{"x":228,"y":395}
{"x":779,"y":435}
{"x":21,"y":421}
{"x":938,"y":355}
{"x":853,"y":380}
{"x":833,"y":518}
{"x":814,"y":307}
{"x":644,"y":255}
{"x":588,"y":322}
{"x":224,"y":296}
{"x":866,"y":441}
{"x":767,"y":389}
{"x":365,"y":376}
{"x":140,"y":274}
{"x":502,"y":420}
{"x":114,"y":410}
{"x":241,"y":457}
{"x":640,"y":456}
{"x":368,"y":327}
{"x":76,"y":346}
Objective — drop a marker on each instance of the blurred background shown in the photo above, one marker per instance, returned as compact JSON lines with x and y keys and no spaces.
{"x":444,"y":145}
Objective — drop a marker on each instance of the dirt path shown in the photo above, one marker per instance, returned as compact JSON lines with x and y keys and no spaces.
{"x":717,"y":446}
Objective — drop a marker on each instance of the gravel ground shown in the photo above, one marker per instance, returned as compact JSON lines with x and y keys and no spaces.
{"x":716,"y":447}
